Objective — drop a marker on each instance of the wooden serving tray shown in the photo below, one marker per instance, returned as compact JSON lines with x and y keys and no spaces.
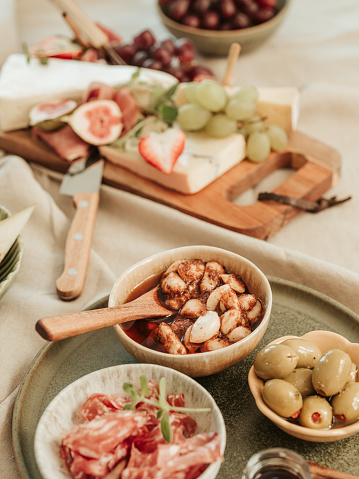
{"x":317,"y":168}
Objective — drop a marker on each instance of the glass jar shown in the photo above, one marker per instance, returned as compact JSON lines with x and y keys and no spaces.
{"x":277,"y":463}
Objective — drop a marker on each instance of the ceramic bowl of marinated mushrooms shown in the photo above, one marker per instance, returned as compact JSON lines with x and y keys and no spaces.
{"x":309,"y":386}
{"x":219,"y":304}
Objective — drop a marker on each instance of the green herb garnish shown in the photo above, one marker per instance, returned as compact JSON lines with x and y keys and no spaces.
{"x":141,"y":395}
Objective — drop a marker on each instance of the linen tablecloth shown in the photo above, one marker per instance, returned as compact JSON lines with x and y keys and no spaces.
{"x":317,"y":50}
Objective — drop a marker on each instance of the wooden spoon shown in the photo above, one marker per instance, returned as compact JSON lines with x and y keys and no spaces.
{"x":147,"y":306}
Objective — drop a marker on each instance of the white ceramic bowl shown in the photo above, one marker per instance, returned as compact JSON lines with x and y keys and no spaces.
{"x":10,"y":265}
{"x":63,"y":412}
{"x":325,"y":340}
{"x":198,"y":364}
{"x":217,"y":43}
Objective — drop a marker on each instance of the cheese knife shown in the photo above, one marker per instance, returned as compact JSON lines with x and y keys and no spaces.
{"x":82,"y":182}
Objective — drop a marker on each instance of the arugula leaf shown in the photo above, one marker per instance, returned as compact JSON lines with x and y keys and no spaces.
{"x":143,"y":382}
{"x":161,"y":403}
{"x":166,"y":427}
{"x":168,"y":112}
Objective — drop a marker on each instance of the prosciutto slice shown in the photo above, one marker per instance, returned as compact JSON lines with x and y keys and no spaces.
{"x":64,"y":142}
{"x":114,"y":443}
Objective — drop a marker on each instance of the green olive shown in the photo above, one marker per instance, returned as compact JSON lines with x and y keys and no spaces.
{"x":331,"y":372}
{"x":275,"y":361}
{"x":308,"y":353}
{"x":346,"y":403}
{"x":301,"y":378}
{"x":316,"y":413}
{"x":282,"y":397}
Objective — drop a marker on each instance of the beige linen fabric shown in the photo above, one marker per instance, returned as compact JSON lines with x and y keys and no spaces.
{"x":316,"y":50}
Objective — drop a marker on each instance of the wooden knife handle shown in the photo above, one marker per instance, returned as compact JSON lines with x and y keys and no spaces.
{"x":78,"y":245}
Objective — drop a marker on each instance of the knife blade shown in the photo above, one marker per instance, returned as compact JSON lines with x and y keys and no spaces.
{"x":82,"y":182}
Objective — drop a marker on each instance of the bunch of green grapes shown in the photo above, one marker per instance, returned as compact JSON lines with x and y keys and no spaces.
{"x":210,"y":109}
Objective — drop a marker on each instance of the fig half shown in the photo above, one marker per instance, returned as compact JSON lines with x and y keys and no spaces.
{"x":47,"y":116}
{"x":98,"y":122}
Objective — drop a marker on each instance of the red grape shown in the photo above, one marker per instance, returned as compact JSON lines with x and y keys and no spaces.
{"x":162,"y":55}
{"x":127,"y":52}
{"x":201,"y":6}
{"x":210,"y":20}
{"x":178,"y":9}
{"x":228,"y":8}
{"x":263,"y":15}
{"x":144,"y":40}
{"x":185,"y":50}
{"x":241,"y":20}
{"x":268,"y":3}
{"x":168,"y":45}
{"x":191,"y":21}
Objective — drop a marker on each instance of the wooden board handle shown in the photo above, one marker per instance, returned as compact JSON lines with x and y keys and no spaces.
{"x":78,"y":245}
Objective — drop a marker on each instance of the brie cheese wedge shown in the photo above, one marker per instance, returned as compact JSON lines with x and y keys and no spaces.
{"x":26,"y":84}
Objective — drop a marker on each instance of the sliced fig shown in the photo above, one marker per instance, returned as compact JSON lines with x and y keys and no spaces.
{"x":98,"y":122}
{"x":47,"y":116}
{"x":56,"y":46}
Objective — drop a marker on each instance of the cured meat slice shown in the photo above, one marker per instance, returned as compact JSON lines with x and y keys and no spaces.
{"x":99,"y":404}
{"x":65,"y":142}
{"x":98,"y":91}
{"x":108,"y":431}
{"x":129,"y":107}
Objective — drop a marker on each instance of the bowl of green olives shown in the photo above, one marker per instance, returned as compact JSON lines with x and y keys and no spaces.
{"x":308,"y":386}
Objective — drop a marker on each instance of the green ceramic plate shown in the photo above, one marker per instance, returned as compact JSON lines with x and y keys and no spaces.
{"x":296,"y":311}
{"x":10,"y":265}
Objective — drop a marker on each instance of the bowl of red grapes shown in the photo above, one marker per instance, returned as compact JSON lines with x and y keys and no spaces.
{"x":213,"y":25}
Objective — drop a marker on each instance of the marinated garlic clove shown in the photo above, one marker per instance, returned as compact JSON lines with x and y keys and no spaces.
{"x":254,"y":313}
{"x":346,"y":403}
{"x":173,"y":267}
{"x":247,"y":301}
{"x":308,"y":353}
{"x":211,"y":277}
{"x":331,"y":372}
{"x":191,"y":347}
{"x":275,"y":361}
{"x":282,"y":397}
{"x":234,"y":281}
{"x":301,"y":378}
{"x":170,"y":342}
{"x":231,"y":319}
{"x":205,"y":327}
{"x":191,"y":271}
{"x":353,"y":375}
{"x":214,"y":344}
{"x":215,"y":297}
{"x":316,"y":413}
{"x":229,"y":300}
{"x":173,"y":284}
{"x":238,"y":333}
{"x":193,"y":308}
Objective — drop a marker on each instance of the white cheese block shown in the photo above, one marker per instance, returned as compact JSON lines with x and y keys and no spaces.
{"x":23,"y":84}
{"x":203,"y":160}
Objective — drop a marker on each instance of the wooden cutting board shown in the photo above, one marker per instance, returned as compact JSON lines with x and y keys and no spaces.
{"x":316,"y":168}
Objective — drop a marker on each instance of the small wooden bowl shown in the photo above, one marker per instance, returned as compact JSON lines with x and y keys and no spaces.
{"x":10,"y":265}
{"x":198,"y":364}
{"x":217,"y":43}
{"x":325,"y":340}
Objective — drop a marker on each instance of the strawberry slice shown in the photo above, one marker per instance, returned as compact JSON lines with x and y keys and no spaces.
{"x":162,"y":149}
